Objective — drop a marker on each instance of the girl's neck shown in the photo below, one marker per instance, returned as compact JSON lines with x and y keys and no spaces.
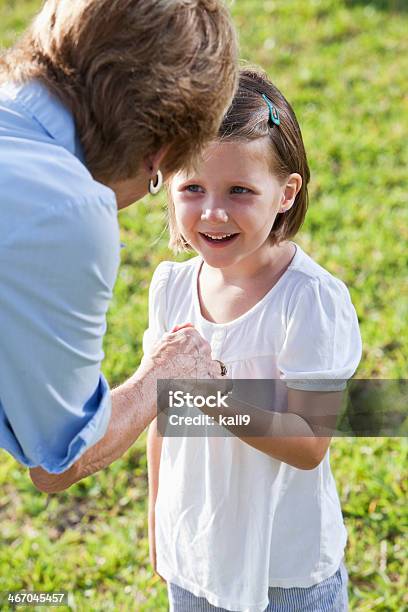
{"x":270,"y":263}
{"x":227,"y":294}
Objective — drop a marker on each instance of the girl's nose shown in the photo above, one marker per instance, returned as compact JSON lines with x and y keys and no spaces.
{"x":214,"y":215}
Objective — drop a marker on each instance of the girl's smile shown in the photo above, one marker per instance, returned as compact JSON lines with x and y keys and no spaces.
{"x":225,"y":209}
{"x":217,"y":241}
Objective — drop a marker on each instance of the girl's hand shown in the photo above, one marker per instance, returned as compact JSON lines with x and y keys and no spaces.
{"x":152,"y":543}
{"x":178,"y":327}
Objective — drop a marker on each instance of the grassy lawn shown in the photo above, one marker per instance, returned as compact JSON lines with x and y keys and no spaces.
{"x":343,"y":65}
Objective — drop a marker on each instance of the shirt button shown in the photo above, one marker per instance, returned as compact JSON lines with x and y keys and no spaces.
{"x":219,"y":335}
{"x":217,"y":342}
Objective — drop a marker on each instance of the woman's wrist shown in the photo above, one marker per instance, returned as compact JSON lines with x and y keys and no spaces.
{"x":153,"y":369}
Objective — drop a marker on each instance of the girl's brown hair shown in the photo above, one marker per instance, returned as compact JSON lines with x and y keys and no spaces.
{"x":136,"y":74}
{"x":248,"y":119}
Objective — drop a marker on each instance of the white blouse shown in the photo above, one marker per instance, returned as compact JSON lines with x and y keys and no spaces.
{"x":230,"y":520}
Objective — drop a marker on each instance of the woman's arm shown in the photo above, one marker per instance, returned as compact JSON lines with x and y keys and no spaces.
{"x":133,"y":407}
{"x":154,"y":446}
{"x":183,"y":354}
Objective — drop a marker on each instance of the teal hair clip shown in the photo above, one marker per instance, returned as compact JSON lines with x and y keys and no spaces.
{"x":273,"y":111}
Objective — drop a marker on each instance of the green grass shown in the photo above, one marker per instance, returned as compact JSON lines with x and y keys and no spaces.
{"x":343,"y":66}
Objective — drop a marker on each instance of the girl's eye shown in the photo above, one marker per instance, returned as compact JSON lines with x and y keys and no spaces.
{"x":194,"y":188}
{"x":238,"y":189}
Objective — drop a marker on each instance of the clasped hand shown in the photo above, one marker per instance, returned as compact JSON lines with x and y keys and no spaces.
{"x":184,"y":353}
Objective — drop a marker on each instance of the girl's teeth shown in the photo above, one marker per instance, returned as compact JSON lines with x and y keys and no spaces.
{"x":218,"y":237}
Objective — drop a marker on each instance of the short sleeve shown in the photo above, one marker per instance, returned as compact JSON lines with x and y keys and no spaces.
{"x":157,"y":307}
{"x":322,"y":346}
{"x":57,"y":278}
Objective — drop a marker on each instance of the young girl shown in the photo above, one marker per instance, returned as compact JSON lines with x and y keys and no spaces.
{"x":251,"y":524}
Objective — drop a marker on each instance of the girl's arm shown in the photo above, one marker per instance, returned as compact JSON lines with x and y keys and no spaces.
{"x":154,"y":446}
{"x":298,"y":435}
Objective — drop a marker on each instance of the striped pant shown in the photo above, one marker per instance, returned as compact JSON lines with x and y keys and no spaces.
{"x":330,"y":595}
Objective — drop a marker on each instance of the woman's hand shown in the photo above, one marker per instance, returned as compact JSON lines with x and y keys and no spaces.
{"x":184,"y":353}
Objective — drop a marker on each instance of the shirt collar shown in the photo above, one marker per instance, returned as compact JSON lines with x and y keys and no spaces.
{"x":36,"y":100}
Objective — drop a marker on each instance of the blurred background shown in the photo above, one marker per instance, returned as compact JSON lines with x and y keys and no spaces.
{"x":343,"y":64}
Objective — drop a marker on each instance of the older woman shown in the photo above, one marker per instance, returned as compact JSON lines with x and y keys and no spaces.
{"x":98,"y":101}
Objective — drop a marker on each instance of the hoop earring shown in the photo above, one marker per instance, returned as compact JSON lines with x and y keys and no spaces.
{"x":156,"y":184}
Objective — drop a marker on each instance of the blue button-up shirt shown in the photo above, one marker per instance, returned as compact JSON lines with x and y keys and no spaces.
{"x":59,"y":256}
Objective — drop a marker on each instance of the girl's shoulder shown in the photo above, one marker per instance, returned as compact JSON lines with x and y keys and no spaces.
{"x":170,"y":286}
{"x":308,"y":276}
{"x":174,"y":276}
{"x":322,"y":338}
{"x":305,"y":265}
{"x":176,"y":270}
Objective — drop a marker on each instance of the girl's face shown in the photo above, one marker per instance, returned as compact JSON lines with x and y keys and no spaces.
{"x":226,"y":208}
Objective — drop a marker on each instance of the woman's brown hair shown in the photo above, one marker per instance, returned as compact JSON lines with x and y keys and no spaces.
{"x":248,"y":119}
{"x":136,"y":74}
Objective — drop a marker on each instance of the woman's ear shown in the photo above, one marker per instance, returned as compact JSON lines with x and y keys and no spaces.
{"x":153,"y":162}
{"x":291,"y":188}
